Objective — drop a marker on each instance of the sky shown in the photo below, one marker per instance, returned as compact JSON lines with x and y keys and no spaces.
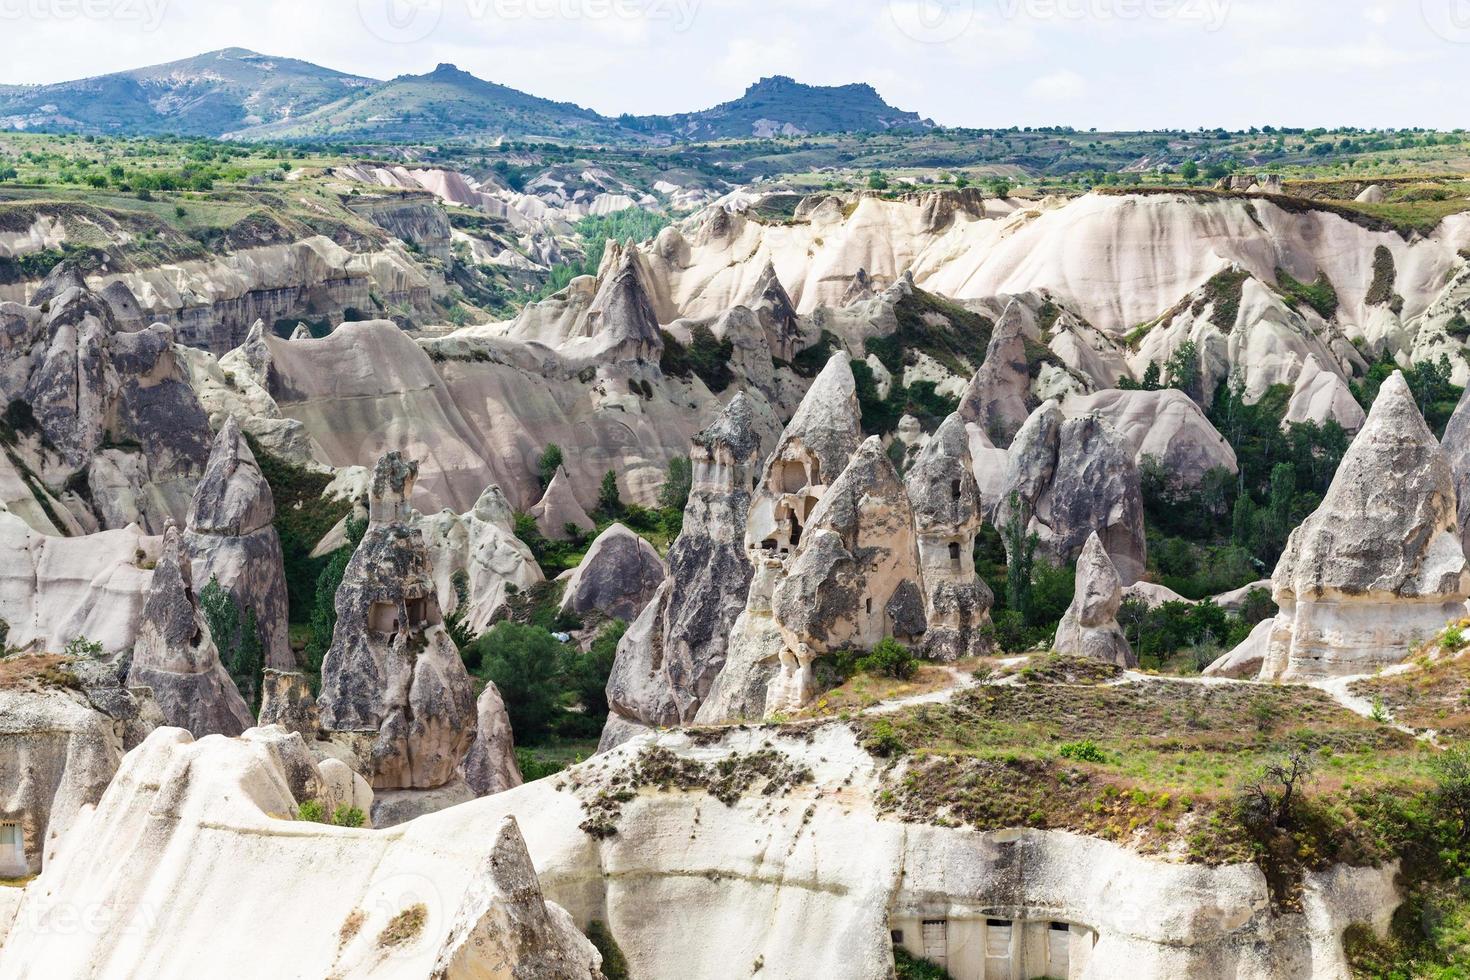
{"x":1108,"y":64}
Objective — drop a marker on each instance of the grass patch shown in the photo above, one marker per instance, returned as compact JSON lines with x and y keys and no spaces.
{"x":38,"y":672}
{"x":404,"y":927}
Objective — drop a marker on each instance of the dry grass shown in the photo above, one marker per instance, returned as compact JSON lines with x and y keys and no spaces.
{"x":1434,"y":695}
{"x":351,"y":926}
{"x":37,"y":672}
{"x":404,"y":927}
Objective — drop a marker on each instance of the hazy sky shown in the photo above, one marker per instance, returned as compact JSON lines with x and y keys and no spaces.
{"x":1112,"y":64}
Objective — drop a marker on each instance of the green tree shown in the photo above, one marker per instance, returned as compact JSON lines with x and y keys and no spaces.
{"x":674,"y":494}
{"x":609,"y":500}
{"x":528,"y":665}
{"x":1020,"y":556}
{"x":1182,"y":370}
{"x":877,"y":181}
{"x":550,"y":461}
{"x":236,"y":637}
{"x":1189,"y":171}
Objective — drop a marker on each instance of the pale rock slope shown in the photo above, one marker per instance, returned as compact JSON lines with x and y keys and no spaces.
{"x":490,"y":766}
{"x":1379,"y":566}
{"x":998,"y":397}
{"x":558,"y":508}
{"x":54,"y":589}
{"x":333,"y":901}
{"x":800,"y":851}
{"x":1456,"y":446}
{"x":671,"y":654}
{"x":617,"y":577}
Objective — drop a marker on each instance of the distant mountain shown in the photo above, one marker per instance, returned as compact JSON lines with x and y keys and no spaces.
{"x":447,"y":103}
{"x":207,"y":95}
{"x":245,"y":95}
{"x":782,"y":106}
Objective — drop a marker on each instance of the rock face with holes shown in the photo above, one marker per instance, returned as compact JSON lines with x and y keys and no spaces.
{"x":381,"y":905}
{"x":491,"y":765}
{"x":815,"y":446}
{"x":1070,"y":478}
{"x":1379,"y":566}
{"x":1089,"y":628}
{"x":673,"y":651}
{"x":854,"y":578}
{"x":393,"y":685}
{"x":176,"y":656}
{"x":618,"y":576}
{"x":230,"y":538}
{"x":947,"y":517}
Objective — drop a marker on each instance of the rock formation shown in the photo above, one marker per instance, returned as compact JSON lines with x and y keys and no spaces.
{"x":1456,"y":446}
{"x":54,"y":589}
{"x":381,"y":905}
{"x":617,"y":577}
{"x":392,"y":679}
{"x":1322,"y":396}
{"x":815,"y":446}
{"x":230,"y":538}
{"x":997,"y":397}
{"x":853,"y":579}
{"x":286,"y":700}
{"x":1379,"y":566}
{"x":558,"y":508}
{"x":176,"y":656}
{"x":63,"y":732}
{"x":947,"y":517}
{"x":673,"y":651}
{"x":478,"y":554}
{"x":1090,"y":627}
{"x":1164,"y":425}
{"x":491,"y":765}
{"x":1068,"y":478}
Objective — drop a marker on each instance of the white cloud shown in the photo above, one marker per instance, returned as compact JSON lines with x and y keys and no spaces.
{"x":1059,"y":86}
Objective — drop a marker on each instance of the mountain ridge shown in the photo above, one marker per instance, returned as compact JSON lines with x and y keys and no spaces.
{"x":242,"y":94}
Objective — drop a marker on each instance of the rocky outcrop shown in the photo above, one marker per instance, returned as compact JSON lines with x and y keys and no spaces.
{"x":1068,"y":478}
{"x":286,"y":700}
{"x":1089,"y":628}
{"x":673,"y":651}
{"x":618,"y":576}
{"x":61,"y":744}
{"x":491,"y":765}
{"x":116,"y":419}
{"x":231,"y":539}
{"x":393,"y":684}
{"x":947,"y":517}
{"x":997,"y":397}
{"x":176,"y":656}
{"x":621,"y":322}
{"x":1165,"y":426}
{"x":1322,"y":396}
{"x":853,"y":580}
{"x":1379,"y":566}
{"x":477,"y":554}
{"x":388,"y":905}
{"x":558,"y":509}
{"x":54,"y":589}
{"x":816,"y":445}
{"x":1456,"y":446}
